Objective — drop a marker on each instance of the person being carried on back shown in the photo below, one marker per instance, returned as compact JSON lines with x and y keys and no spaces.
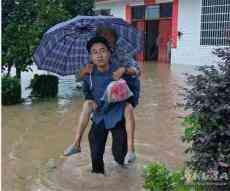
{"x":125,"y":65}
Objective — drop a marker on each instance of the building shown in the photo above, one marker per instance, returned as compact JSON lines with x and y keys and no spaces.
{"x":176,"y":31}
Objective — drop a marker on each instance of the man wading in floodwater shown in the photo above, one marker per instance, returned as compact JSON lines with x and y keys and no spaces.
{"x":125,"y":65}
{"x":106,"y":117}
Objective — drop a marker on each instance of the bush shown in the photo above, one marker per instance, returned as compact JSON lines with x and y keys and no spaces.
{"x":208,"y":127}
{"x":159,"y":178}
{"x":11,"y":91}
{"x":44,"y":86}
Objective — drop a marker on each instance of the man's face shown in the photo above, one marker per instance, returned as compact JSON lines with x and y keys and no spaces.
{"x":99,"y":54}
{"x":110,"y":38}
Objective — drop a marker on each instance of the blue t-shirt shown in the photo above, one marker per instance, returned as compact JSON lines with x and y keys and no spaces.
{"x":94,"y":86}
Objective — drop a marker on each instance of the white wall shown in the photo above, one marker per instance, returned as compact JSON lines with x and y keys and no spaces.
{"x":188,"y":49}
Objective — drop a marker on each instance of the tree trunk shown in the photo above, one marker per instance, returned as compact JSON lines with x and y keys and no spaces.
{"x":18,"y":73}
{"x":8,"y":70}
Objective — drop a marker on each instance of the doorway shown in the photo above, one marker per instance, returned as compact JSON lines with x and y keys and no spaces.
{"x":140,"y":25}
{"x":151,"y":42}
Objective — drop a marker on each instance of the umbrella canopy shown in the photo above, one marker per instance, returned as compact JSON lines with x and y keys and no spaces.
{"x":62,"y":49}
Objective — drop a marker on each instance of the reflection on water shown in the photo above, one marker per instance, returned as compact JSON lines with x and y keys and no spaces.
{"x":35,"y":135}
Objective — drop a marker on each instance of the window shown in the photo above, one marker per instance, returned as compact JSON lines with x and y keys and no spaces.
{"x":152,"y":12}
{"x":138,"y":12}
{"x":165,"y":10}
{"x":215,"y":22}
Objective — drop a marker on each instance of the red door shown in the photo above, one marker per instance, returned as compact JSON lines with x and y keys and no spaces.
{"x":165,"y":28}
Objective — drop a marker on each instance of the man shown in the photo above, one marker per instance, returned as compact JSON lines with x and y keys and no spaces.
{"x":106,"y":117}
{"x":125,"y":64}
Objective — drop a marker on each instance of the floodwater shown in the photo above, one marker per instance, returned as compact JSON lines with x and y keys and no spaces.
{"x":34,"y":135}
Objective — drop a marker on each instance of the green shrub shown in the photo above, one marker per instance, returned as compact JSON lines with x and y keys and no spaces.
{"x":159,"y":178}
{"x":44,"y":86}
{"x":11,"y":90}
{"x":208,"y":127}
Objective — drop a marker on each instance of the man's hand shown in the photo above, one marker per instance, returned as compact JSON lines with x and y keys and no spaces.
{"x":119,"y":73}
{"x":86,"y":70}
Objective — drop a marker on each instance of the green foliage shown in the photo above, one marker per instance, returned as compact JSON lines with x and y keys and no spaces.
{"x":24,"y":23}
{"x":51,"y":13}
{"x":159,"y":178}
{"x":19,"y":34}
{"x":44,"y":86}
{"x":208,"y":128}
{"x":192,"y":127}
{"x":11,"y":91}
{"x":79,"y":7}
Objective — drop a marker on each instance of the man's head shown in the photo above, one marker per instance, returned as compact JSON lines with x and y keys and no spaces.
{"x":99,"y":50}
{"x":109,"y":34}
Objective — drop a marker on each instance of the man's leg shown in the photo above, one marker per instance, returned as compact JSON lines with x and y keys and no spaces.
{"x":119,"y":142}
{"x":130,"y":128}
{"x":87,"y":109}
{"x":97,"y":140}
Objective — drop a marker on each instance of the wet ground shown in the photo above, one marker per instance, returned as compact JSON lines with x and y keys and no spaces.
{"x":34,"y":135}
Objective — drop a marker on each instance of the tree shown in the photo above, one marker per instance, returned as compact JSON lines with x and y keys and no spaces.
{"x":50,"y":13}
{"x":79,"y":7}
{"x":19,"y":34}
{"x":208,"y":128}
{"x":24,"y":22}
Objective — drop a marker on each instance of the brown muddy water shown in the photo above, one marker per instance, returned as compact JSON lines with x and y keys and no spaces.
{"x":34,"y":135}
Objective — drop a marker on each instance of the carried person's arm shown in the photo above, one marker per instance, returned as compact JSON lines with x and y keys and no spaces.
{"x":86,"y":70}
{"x":131,"y":71}
{"x":133,"y":67}
{"x":129,"y":67}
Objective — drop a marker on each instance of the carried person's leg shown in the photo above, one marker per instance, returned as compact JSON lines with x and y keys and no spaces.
{"x":119,"y":142}
{"x":130,"y":128}
{"x":97,"y":140}
{"x":88,"y":107}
